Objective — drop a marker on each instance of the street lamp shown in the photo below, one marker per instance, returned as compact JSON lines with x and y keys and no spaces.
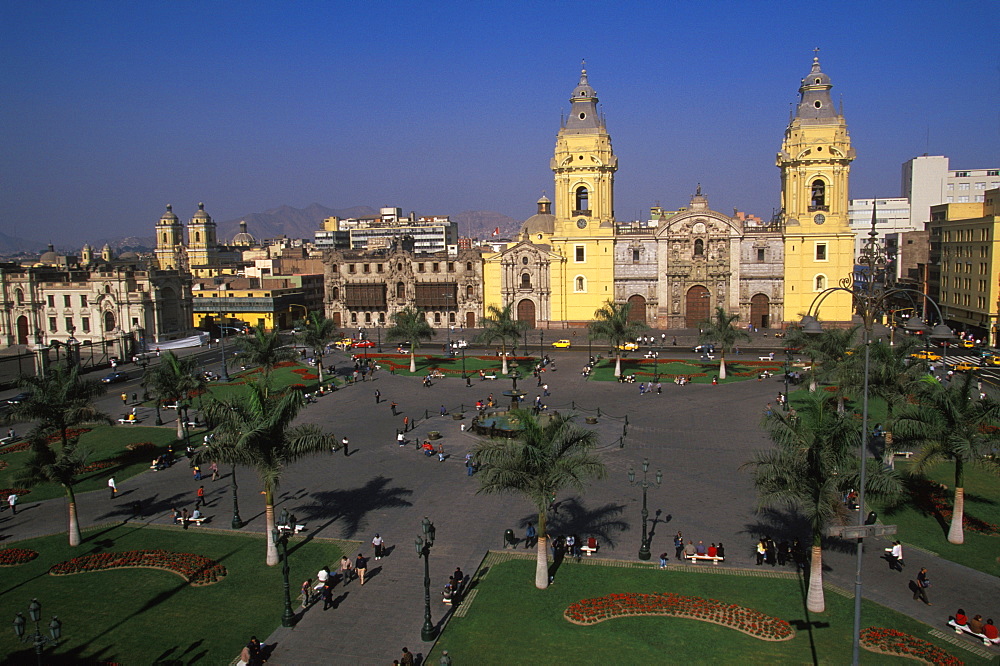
{"x":39,"y":640}
{"x":423,"y":546}
{"x":280,"y":535}
{"x":464,"y":376}
{"x":644,"y":484}
{"x":378,"y":332}
{"x":870,"y":302}
{"x":541,"y":345}
{"x":788,"y":368}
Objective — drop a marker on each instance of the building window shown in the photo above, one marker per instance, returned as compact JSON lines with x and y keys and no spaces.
{"x":469,"y":293}
{"x":820,"y":251}
{"x":436,"y":267}
{"x":52,"y":301}
{"x":582,"y":199}
{"x":85,"y":324}
{"x":580,"y":284}
{"x":66,"y":301}
{"x":992,"y":172}
{"x":420,"y":267}
{"x":350,"y":268}
{"x":820,"y":282}
{"x":818,"y":195}
{"x":961,"y":174}
{"x":980,"y":186}
{"x":760,"y":255}
{"x":19,"y":296}
{"x":525,"y":281}
{"x":366,"y":268}
{"x":400,"y":290}
{"x":368,"y":317}
{"x":83,"y":300}
{"x":951,"y":187}
{"x":699,"y":247}
{"x":437,"y":317}
{"x":451,"y":318}
{"x":581,"y":253}
{"x":963,"y":187}
{"x":451,"y":266}
{"x":354,"y":317}
{"x":949,"y":200}
{"x":468,"y":265}
{"x":379,"y":268}
{"x":963,"y":198}
{"x":69,"y":323}
{"x":52,"y":324}
{"x":336,"y":293}
{"x":635,"y":256}
{"x":335,"y":268}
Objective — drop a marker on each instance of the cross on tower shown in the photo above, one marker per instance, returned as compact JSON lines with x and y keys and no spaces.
{"x":816,"y":51}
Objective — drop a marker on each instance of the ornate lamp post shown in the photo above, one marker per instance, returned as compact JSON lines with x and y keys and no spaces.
{"x":39,"y":640}
{"x":222,"y":340}
{"x":541,"y":345}
{"x":378,"y":333}
{"x":871,"y":302}
{"x":788,"y":368}
{"x":280,"y":535}
{"x":423,"y":546}
{"x":237,"y":521}
{"x":464,"y":376}
{"x":644,"y":484}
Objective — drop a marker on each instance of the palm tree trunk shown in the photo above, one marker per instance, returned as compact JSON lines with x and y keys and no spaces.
{"x":272,"y":548}
{"x":413,"y":361}
{"x":319,"y":364}
{"x":503,"y":350}
{"x":722,"y":366}
{"x":618,"y":364}
{"x":956,"y":533}
{"x":74,"y":520}
{"x":815,"y":603}
{"x":180,"y":422}
{"x":542,"y":552}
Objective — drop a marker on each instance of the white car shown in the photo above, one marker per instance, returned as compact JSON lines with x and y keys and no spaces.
{"x":459,"y":344}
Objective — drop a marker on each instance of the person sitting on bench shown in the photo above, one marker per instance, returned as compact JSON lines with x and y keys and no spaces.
{"x":197,"y":515}
{"x":177,"y":515}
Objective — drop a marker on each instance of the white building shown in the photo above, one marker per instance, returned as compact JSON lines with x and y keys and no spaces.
{"x":892,"y":218}
{"x":927,"y":181}
{"x":434,"y":233}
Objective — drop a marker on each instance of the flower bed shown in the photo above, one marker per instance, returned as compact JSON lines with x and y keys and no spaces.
{"x":141,"y":447}
{"x":935,"y":498}
{"x":890,"y":641}
{"x":11,"y":557}
{"x":94,"y":466}
{"x":6,"y":492}
{"x":305,"y":373}
{"x":14,"y":448}
{"x":740,"y":618}
{"x":72,"y":433}
{"x":196,"y":569}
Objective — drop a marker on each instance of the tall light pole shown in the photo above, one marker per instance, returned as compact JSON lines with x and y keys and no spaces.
{"x":280,"y":535}
{"x":644,"y":484}
{"x":423,"y":545}
{"x":871,"y":302}
{"x":788,"y":368}
{"x":237,"y":522}
{"x":39,"y":640}
{"x":541,"y":345}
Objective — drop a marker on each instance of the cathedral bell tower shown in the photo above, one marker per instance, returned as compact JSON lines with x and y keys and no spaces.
{"x":203,"y":246}
{"x":815,"y":162}
{"x":169,"y":241}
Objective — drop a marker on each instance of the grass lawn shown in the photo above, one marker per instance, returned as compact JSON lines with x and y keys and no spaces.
{"x":451,"y":367}
{"x":106,"y":444}
{"x":147,"y":616}
{"x":510,"y":621}
{"x":699,"y":372}
{"x":921,"y":523}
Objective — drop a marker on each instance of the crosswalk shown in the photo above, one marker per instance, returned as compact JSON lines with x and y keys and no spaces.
{"x":989,"y":372}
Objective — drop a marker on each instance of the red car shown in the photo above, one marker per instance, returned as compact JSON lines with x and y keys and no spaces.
{"x":364,"y":343}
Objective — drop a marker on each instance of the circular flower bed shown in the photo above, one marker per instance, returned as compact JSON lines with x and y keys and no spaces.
{"x":740,"y":618}
{"x":890,"y":641}
{"x":11,"y":557}
{"x":196,"y":569}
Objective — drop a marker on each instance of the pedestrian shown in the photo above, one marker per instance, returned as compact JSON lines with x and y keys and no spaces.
{"x":307,"y":592}
{"x":125,"y":398}
{"x":470,"y":466}
{"x":406,"y":424}
{"x":345,"y":446}
{"x":377,"y":545}
{"x":896,"y":552}
{"x":378,"y":396}
{"x":659,"y":388}
{"x":184,"y":518}
{"x":214,"y":469}
{"x":327,"y":593}
{"x":920,"y":586}
{"x":361,"y":566}
{"x":440,"y":451}
{"x":112,"y":487}
{"x":253,"y":648}
{"x":530,"y":536}
{"x":345,"y":569}
{"x":400,"y":438}
{"x":445,"y":659}
{"x":201,"y":497}
{"x":663,"y":560}
{"x":443,"y":410}
{"x":11,"y":434}
{"x":12,"y":502}
{"x":197,"y":473}
{"x":392,"y":406}
{"x":545,"y":391}
{"x":678,"y":545}
{"x":407,"y":658}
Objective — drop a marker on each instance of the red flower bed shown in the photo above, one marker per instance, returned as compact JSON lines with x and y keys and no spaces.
{"x":6,"y":492}
{"x":196,"y":569}
{"x":305,"y":373}
{"x":935,"y":498}
{"x":11,"y":557}
{"x":72,"y":433}
{"x":285,"y":364}
{"x":746,"y":620}
{"x":890,"y":641}
{"x":14,"y":448}
{"x":94,"y":466}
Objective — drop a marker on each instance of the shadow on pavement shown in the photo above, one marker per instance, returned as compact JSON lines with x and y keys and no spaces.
{"x":352,"y":505}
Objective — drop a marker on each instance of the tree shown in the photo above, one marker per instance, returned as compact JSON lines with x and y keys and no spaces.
{"x":825,"y":350}
{"x":952,"y":424}
{"x":500,"y":324}
{"x":611,"y":323}
{"x":547,"y":457}
{"x":45,"y":465}
{"x":255,"y":430}
{"x":815,"y":461}
{"x":57,"y":401}
{"x":720,"y":330}
{"x":410,"y":324}
{"x":262,"y":348}
{"x":317,"y":332}
{"x":173,"y":379}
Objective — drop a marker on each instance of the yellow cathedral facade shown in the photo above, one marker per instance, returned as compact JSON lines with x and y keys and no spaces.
{"x":571,"y":257}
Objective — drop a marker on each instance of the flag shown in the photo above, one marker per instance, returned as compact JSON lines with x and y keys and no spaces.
{"x":496,"y":232}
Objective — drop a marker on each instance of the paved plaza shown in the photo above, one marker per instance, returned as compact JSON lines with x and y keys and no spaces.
{"x":698,"y":435}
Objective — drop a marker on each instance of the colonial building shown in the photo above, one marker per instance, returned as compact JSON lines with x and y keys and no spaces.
{"x":200,"y":254}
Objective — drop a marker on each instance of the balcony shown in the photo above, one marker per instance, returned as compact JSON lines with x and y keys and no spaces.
{"x":585,"y":213}
{"x":814,"y":209}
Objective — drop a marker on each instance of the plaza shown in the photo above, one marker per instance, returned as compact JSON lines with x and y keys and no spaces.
{"x":698,"y":435}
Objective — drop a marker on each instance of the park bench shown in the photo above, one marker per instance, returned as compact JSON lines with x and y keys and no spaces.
{"x":192,"y":521}
{"x":591,"y":547}
{"x":694,"y":558}
{"x":288,"y":528}
{"x":964,"y":629}
{"x":765,"y":358}
{"x":128,"y":421}
{"x":490,"y":376}
{"x":905,"y":454}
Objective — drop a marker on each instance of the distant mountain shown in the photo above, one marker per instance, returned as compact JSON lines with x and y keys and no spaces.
{"x":14,"y":244}
{"x":482,"y":223}
{"x":288,"y":221}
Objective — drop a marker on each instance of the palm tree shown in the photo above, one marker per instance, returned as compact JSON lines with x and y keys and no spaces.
{"x":500,"y":324}
{"x":813,"y":464}
{"x":952,"y":424}
{"x":48,"y":466}
{"x":173,"y":379}
{"x":410,"y":324}
{"x":255,"y":430}
{"x":720,"y":330}
{"x":262,"y":348}
{"x":611,"y":323}
{"x":57,"y":401}
{"x":317,"y":332}
{"x":543,"y":460}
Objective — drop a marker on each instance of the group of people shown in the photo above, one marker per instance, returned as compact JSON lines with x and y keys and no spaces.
{"x":769,"y":552}
{"x":690,"y":550}
{"x":984,"y":630}
{"x":454,"y":587}
{"x":182,"y":517}
{"x":645,"y":388}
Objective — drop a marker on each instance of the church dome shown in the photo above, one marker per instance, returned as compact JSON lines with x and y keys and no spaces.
{"x":169,"y":216}
{"x":244,"y":238}
{"x":542,"y":222}
{"x":49,"y":256}
{"x":201,"y":214}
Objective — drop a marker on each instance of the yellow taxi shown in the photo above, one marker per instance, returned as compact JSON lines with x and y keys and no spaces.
{"x":628,"y":346}
{"x":926,"y":356}
{"x":964,"y":366}
{"x":967,"y":344}
{"x":344,"y":343}
{"x":992,"y":360}
{"x":562,"y":344}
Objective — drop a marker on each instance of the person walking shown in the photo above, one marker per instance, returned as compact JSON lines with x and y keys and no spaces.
{"x":377,"y":545}
{"x":530,"y":536}
{"x":197,"y":473}
{"x":378,"y":396}
{"x":345,"y":446}
{"x":393,"y":406}
{"x":327,"y":593}
{"x":112,"y":487}
{"x":407,"y":658}
{"x":345,"y":569}
{"x":406,"y":424}
{"x":361,"y":566}
{"x":920,"y":587}
{"x":201,"y":497}
{"x":12,"y":503}
{"x":125,"y":399}
{"x":470,"y":465}
{"x":678,"y":545}
{"x":214,"y":469}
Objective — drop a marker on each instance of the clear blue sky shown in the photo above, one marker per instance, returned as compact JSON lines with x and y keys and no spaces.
{"x":112,"y":109}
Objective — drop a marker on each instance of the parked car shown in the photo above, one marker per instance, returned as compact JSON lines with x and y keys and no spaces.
{"x":562,"y":344}
{"x":19,"y":398}
{"x":114,"y":378}
{"x":344,"y":343}
{"x":459,"y":344}
{"x":704,"y":349}
{"x":364,"y":343}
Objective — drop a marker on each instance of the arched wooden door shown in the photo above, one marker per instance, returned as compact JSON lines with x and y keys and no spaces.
{"x":109,"y":321}
{"x":22,"y":330}
{"x":470,"y":319}
{"x":637,"y":309}
{"x":526,"y":312}
{"x":760,"y":310}
{"x":697,"y":306}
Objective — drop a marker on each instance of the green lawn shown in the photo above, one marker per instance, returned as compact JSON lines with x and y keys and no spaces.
{"x":147,"y":616}
{"x":510,"y":621}
{"x":699,"y":372}
{"x":921,"y":524}
{"x":105,"y":443}
{"x":451,"y":367}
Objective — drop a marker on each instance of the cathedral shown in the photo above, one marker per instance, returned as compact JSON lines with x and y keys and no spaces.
{"x":201,"y":254}
{"x":676,"y":269}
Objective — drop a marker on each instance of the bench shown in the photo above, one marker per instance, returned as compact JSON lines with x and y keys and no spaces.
{"x":128,"y":421}
{"x":964,"y":629}
{"x":905,"y":454}
{"x":492,"y":376}
{"x":765,"y":358}
{"x":591,"y":547}
{"x":195,"y":521}
{"x":694,"y":558}
{"x":287,"y":528}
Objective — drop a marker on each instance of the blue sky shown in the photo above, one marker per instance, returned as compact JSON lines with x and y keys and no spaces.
{"x":113,"y":109}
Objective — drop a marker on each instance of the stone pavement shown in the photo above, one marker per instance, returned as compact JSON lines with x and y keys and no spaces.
{"x":699,"y":435}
